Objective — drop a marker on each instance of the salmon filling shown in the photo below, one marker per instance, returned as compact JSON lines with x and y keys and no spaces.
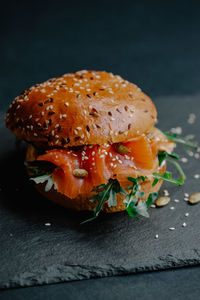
{"x":102,"y":162}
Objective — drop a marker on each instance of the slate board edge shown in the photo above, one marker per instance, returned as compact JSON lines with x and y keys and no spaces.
{"x":61,"y":273}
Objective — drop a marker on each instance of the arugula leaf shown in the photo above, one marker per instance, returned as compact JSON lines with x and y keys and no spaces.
{"x":135,"y":206}
{"x":40,"y":167}
{"x":107,"y":195}
{"x":151,"y":198}
{"x":185,"y":141}
{"x":42,"y":179}
{"x":167,"y":176}
{"x":162,"y":155}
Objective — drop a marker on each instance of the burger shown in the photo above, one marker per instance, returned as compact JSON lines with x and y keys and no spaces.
{"x":91,"y":142}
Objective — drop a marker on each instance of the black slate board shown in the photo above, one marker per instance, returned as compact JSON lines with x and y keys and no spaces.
{"x":34,"y":254}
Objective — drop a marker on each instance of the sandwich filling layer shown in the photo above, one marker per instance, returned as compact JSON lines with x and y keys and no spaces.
{"x":78,"y":170}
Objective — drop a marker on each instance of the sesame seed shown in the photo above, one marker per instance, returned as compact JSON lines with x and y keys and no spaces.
{"x":186,"y":194}
{"x":47,"y":224}
{"x":156,"y":236}
{"x":197,"y":176}
{"x":171,"y":228}
{"x":42,"y":113}
{"x":172,"y":207}
{"x":153,"y":206}
{"x":176,"y":200}
{"x":66,"y":104}
{"x":75,"y":131}
{"x":186,"y":214}
{"x":165,"y":192}
{"x":78,"y":128}
{"x":190,"y":153}
{"x":35,"y":134}
{"x":184,"y":224}
{"x":184,"y":159}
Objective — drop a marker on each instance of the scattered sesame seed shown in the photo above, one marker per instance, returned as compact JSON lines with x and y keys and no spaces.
{"x":172,"y":207}
{"x":66,"y":104}
{"x":177,"y":130}
{"x":156,"y":236}
{"x":171,"y":228}
{"x":176,"y":200}
{"x":184,"y":224}
{"x":186,"y":194}
{"x":75,"y":131}
{"x":153,"y":206}
{"x":197,"y":176}
{"x":186,"y":214}
{"x":184,"y":159}
{"x":165,"y":192}
{"x":47,"y":224}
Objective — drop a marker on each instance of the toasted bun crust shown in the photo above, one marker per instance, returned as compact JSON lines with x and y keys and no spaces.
{"x":86,"y":107}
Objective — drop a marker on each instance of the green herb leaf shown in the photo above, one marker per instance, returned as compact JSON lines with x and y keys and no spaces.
{"x":39,"y":167}
{"x":167,"y":176}
{"x":134,"y":206}
{"x":185,"y":141}
{"x":42,"y":179}
{"x":110,"y":190}
{"x":151,"y":198}
{"x":162,"y":155}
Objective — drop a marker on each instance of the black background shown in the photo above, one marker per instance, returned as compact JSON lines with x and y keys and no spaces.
{"x":152,"y":43}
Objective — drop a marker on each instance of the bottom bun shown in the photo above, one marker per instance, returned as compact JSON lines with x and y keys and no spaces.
{"x":82,"y":202}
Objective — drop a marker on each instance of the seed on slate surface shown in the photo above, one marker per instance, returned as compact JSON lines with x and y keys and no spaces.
{"x":186,"y":214}
{"x":156,"y":236}
{"x":171,"y":228}
{"x":122,"y":149}
{"x":162,"y":201}
{"x":153,"y":205}
{"x":176,"y":200}
{"x":80,"y":173}
{"x":194,"y":198}
{"x":184,"y":224}
{"x":165,"y":192}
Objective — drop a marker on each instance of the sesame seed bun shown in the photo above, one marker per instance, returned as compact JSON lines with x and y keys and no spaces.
{"x":86,"y":107}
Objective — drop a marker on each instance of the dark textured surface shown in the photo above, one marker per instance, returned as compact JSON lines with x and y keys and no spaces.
{"x":32,"y":253}
{"x":153,"y":44}
{"x":170,"y":284}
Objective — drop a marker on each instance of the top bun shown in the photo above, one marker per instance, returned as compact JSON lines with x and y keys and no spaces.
{"x":82,"y":108}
